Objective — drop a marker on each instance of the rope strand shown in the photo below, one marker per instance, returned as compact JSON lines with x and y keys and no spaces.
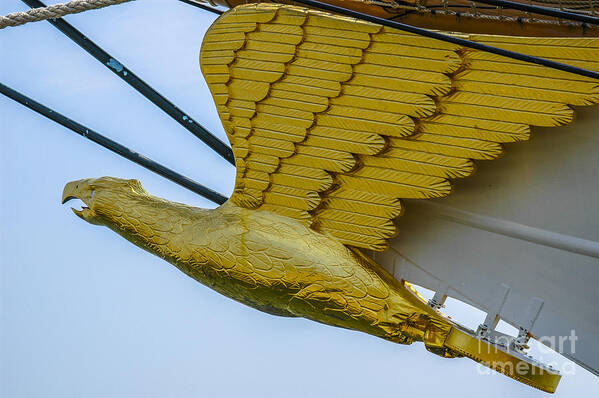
{"x":54,"y":11}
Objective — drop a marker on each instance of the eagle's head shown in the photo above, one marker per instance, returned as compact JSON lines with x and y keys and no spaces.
{"x":105,"y":198}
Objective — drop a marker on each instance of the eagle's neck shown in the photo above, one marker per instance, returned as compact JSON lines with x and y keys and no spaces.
{"x":167,"y":229}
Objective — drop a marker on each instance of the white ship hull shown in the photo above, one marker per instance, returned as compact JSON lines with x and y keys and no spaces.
{"x":520,"y":238}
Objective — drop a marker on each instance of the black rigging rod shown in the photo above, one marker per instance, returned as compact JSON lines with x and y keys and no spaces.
{"x":202,"y":6}
{"x":113,"y":146}
{"x":138,"y":84}
{"x":450,"y":39}
{"x":551,"y":12}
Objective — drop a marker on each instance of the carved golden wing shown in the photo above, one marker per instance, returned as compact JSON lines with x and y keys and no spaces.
{"x":333,"y":121}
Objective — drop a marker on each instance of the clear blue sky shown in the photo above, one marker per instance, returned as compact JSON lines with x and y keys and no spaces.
{"x":84,"y":313}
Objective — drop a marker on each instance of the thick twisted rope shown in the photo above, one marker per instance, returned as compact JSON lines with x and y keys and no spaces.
{"x":54,"y":11}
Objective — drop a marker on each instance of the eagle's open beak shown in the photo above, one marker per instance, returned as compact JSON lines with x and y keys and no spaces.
{"x":82,"y":190}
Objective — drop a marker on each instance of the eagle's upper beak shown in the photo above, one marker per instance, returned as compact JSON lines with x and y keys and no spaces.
{"x":83,"y":190}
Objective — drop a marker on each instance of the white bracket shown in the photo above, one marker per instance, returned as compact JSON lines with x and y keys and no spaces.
{"x":486,"y":330}
{"x":532,"y":313}
{"x":438,"y":300}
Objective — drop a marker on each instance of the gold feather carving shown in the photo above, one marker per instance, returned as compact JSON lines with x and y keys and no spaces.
{"x":333,"y":121}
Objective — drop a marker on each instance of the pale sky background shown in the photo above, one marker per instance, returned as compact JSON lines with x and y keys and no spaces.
{"x":83,"y":313}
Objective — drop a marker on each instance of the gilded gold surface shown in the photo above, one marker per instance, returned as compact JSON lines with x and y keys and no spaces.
{"x":262,"y":259}
{"x":332,"y":122}
{"x":278,"y":265}
{"x":528,"y":373}
{"x":459,"y":17}
{"x":267,"y":261}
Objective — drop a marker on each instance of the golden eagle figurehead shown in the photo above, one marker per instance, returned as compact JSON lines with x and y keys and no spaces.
{"x":333,"y":122}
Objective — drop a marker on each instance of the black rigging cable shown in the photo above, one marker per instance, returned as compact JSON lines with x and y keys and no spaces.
{"x":551,"y":12}
{"x":451,"y":39}
{"x":207,"y":137}
{"x":138,"y":84}
{"x":113,"y":146}
{"x":202,"y":6}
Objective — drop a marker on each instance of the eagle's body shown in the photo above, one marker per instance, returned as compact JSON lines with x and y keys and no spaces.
{"x":267,"y":261}
{"x":334,"y":121}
